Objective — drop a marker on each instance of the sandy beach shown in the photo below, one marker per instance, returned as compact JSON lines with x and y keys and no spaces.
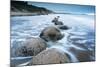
{"x":22,"y":14}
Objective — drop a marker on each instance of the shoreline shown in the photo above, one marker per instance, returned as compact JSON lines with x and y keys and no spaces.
{"x":25,"y":14}
{"x":22,"y":14}
{"x":35,"y":14}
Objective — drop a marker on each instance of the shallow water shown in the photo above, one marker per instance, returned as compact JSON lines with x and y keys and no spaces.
{"x":81,"y":36}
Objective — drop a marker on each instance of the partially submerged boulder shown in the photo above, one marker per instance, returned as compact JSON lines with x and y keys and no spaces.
{"x":58,"y":23}
{"x":81,"y":55}
{"x":62,"y":27}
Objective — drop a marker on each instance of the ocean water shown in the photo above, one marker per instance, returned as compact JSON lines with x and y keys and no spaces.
{"x":81,"y":34}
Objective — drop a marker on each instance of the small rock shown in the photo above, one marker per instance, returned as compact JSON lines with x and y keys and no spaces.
{"x":63,"y":27}
{"x":58,"y":23}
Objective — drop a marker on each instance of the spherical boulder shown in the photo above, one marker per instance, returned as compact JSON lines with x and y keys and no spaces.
{"x":51,"y":33}
{"x":50,"y":56}
{"x":31,"y":47}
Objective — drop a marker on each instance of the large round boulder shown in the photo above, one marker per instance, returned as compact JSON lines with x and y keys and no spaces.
{"x":51,"y":33}
{"x":31,"y":47}
{"x":50,"y":56}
